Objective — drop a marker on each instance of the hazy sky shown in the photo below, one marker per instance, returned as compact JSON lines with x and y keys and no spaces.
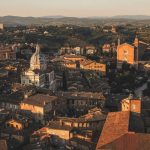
{"x":79,"y":8}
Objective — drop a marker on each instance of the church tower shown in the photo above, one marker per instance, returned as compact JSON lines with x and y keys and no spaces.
{"x":136,"y":44}
{"x":38,"y":60}
{"x":119,"y":42}
{"x":136,"y":41}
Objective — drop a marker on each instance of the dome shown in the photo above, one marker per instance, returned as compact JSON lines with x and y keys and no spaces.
{"x":38,"y":60}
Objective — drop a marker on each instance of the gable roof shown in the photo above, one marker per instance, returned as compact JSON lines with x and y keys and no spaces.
{"x":39,"y":100}
{"x":125,"y":44}
{"x":130,"y":141}
{"x":86,"y":62}
{"x":116,"y":125}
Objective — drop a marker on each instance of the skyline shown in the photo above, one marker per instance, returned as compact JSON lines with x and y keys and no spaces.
{"x":70,"y":8}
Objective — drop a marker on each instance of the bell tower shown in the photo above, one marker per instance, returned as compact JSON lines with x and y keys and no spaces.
{"x":136,"y":41}
{"x":38,"y":48}
{"x":119,"y":42}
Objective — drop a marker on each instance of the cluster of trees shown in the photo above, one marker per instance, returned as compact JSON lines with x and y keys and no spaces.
{"x":60,"y":35}
{"x":146,"y":92}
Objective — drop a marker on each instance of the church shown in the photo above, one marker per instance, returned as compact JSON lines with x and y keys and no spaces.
{"x":39,"y":74}
{"x":130,"y":53}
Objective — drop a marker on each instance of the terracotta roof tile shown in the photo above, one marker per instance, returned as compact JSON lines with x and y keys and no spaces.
{"x":130,"y":141}
{"x":39,"y":100}
{"x":116,"y":125}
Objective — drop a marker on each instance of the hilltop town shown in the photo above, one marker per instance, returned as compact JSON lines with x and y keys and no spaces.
{"x":72,"y":87}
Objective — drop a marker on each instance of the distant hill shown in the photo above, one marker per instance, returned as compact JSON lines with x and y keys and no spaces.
{"x":59,"y":16}
{"x":135,"y":17}
{"x":48,"y":20}
{"x":60,"y":20}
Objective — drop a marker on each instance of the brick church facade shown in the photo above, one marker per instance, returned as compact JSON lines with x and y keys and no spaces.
{"x":130,"y":53}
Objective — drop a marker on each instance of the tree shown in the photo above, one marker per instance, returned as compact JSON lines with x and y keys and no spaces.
{"x":64,"y":81}
{"x":125,"y":66}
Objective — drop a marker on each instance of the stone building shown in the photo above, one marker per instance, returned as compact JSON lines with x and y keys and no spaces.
{"x":93,"y":66}
{"x":55,"y":128}
{"x":90,"y":50}
{"x":130,"y":53}
{"x":17,"y":124}
{"x":6,"y":53}
{"x":1,"y":26}
{"x":41,"y":106}
{"x":39,"y":74}
{"x":78,"y":103}
{"x":131,"y":104}
{"x":93,"y":120}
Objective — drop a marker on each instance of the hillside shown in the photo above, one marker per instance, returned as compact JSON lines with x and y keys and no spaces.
{"x":60,"y":20}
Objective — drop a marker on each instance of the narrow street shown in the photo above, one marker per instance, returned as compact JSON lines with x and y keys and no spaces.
{"x":138,"y":91}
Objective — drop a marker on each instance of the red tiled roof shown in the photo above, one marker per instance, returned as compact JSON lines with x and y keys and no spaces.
{"x":130,"y":141}
{"x":116,"y":125}
{"x":39,"y":100}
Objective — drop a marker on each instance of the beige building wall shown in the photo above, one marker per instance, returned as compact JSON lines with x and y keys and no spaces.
{"x":1,"y":26}
{"x":14,"y":124}
{"x":125,"y":53}
{"x":64,"y":134}
{"x":131,"y":105}
{"x":36,"y":110}
{"x":95,"y":67}
{"x":30,"y":78}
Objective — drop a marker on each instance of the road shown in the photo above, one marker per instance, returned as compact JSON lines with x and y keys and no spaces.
{"x":138,"y":91}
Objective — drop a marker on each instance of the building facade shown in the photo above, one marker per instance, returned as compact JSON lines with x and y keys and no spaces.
{"x":41,"y":106}
{"x":131,"y":104}
{"x":38,"y":74}
{"x":7,"y":54}
{"x":93,"y":66}
{"x":1,"y":26}
{"x":130,"y":53}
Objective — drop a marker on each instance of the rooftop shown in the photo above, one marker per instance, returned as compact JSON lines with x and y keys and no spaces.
{"x":86,"y":62}
{"x":82,"y":95}
{"x":39,"y":100}
{"x":117,"y":125}
{"x":132,"y":141}
{"x":58,"y":126}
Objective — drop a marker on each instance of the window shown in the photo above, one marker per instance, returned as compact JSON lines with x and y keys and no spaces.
{"x":125,"y":55}
{"x":126,"y":52}
{"x":73,"y":102}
